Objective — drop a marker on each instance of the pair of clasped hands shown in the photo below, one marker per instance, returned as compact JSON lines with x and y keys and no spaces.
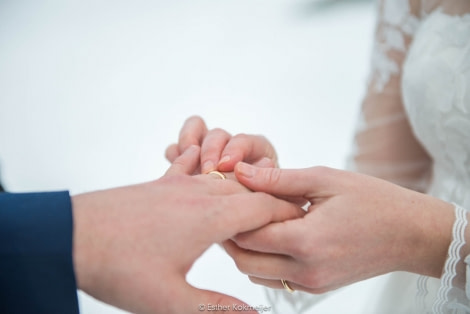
{"x":143,"y":239}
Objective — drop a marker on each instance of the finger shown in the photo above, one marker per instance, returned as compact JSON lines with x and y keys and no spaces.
{"x":213,"y":144}
{"x":264,"y":162}
{"x":268,"y":269}
{"x":299,"y":201}
{"x":172,"y":152}
{"x":277,"y":284}
{"x":269,"y":163}
{"x":192,"y":133}
{"x":270,"y":283}
{"x":218,"y":186}
{"x":243,"y":212}
{"x":248,"y":148}
{"x":187,"y":163}
{"x":282,"y":237}
{"x":231,"y":176}
{"x":261,"y":265}
{"x":228,"y":176}
{"x":315,"y":181}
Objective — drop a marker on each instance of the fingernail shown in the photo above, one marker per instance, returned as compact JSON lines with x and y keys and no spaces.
{"x":224,"y":159}
{"x":245,"y":170}
{"x":207,"y":166}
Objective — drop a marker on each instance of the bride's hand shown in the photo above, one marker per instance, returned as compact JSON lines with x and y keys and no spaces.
{"x":220,"y":150}
{"x":356,"y":227}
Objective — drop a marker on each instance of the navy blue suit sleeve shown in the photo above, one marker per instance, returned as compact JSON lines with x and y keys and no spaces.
{"x":36,"y":265}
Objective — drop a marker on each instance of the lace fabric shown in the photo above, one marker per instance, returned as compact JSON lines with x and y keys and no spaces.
{"x":431,"y":54}
{"x":396,"y":24}
{"x":450,"y":297}
{"x":441,"y":53}
{"x":385,"y":145}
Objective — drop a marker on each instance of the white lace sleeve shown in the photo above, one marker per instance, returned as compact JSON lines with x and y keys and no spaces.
{"x":384,"y":145}
{"x":453,"y":295}
{"x":395,"y":23}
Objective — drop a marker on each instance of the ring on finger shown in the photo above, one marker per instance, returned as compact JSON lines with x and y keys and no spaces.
{"x":218,"y":174}
{"x":286,"y":286}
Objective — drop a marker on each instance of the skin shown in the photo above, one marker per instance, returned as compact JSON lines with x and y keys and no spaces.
{"x":134,"y":245}
{"x":356,"y":226}
{"x":221,"y":151}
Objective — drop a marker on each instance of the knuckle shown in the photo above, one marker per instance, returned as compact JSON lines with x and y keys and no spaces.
{"x":212,"y":142}
{"x":272,"y":176}
{"x":241,"y":137}
{"x":208,"y":153}
{"x":178,"y":180}
{"x":239,"y":145}
{"x":179,"y":162}
{"x":321,"y":171}
{"x":219,"y":132}
{"x":262,"y":139}
{"x":269,"y":149}
{"x":302,"y":250}
{"x":267,"y":163}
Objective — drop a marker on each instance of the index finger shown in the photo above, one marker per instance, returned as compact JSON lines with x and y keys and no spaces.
{"x":186,"y":163}
{"x":275,"y":238}
{"x":244,"y":212}
{"x":192,"y":133}
{"x":308,"y":183}
{"x":247,"y":148}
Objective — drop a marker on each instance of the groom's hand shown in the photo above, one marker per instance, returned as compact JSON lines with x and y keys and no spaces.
{"x":220,"y":150}
{"x":134,"y":245}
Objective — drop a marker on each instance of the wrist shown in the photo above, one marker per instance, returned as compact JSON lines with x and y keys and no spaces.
{"x":433,"y":219}
{"x":82,"y":243}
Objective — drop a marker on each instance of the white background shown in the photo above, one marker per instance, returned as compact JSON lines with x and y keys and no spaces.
{"x":92,"y":92}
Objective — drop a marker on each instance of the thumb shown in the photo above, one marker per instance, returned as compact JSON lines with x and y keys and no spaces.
{"x":202,"y":301}
{"x":284,"y":182}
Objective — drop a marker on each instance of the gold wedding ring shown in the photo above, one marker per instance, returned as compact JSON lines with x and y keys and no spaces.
{"x":286,"y":286}
{"x":218,"y":173}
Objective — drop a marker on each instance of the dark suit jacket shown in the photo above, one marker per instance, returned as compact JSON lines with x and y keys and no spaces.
{"x":36,"y":267}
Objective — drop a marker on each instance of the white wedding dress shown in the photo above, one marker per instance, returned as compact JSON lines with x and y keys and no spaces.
{"x":414,"y":130}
